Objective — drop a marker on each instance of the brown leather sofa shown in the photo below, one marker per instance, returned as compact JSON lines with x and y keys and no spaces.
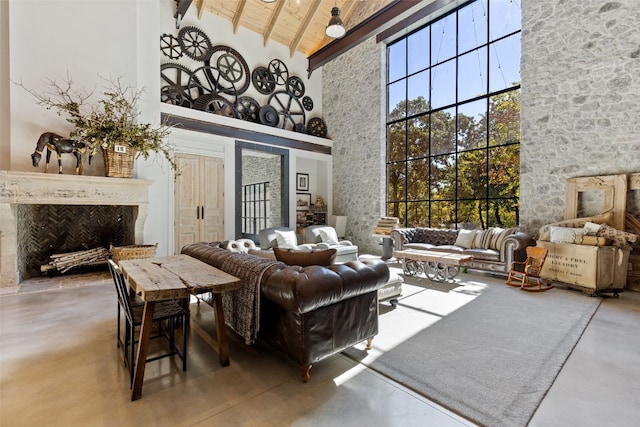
{"x":310,"y":313}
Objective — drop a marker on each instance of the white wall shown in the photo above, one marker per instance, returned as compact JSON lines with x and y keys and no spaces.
{"x":112,"y":38}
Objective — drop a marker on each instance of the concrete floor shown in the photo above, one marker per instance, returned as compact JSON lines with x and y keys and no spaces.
{"x":60,"y":367}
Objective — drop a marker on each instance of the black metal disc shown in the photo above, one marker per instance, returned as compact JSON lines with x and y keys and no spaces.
{"x":269,"y":116}
{"x":195,"y":43}
{"x":176,"y":77}
{"x":295,"y":86}
{"x":307,"y":103}
{"x":248,"y":109}
{"x":170,"y":46}
{"x":279,"y":71}
{"x":233,"y":66}
{"x":215,"y":104}
{"x":263,"y":80}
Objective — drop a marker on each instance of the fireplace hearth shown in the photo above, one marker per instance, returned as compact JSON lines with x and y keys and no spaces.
{"x":42,"y":214}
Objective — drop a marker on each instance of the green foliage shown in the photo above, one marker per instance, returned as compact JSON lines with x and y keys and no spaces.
{"x":445,"y":168}
{"x":112,"y":121}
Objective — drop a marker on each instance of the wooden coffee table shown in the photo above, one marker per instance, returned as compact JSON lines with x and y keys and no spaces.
{"x":437,"y":266}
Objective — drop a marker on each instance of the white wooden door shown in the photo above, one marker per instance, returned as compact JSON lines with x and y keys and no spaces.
{"x":199,"y":200}
{"x":212,"y":199}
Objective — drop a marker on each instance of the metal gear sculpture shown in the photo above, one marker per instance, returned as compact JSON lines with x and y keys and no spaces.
{"x":215,"y":104}
{"x":195,"y":43}
{"x":232,"y":64}
{"x":175,"y":89}
{"x":317,"y":127}
{"x":279,"y":71}
{"x":263,"y":80}
{"x":248,"y":109}
{"x":170,"y":46}
{"x":288,"y":107}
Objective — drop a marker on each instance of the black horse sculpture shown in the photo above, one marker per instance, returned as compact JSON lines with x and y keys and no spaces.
{"x":60,"y":145}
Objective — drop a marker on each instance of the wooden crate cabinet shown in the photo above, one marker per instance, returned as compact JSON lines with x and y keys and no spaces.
{"x":199,"y":200}
{"x":593,"y":268}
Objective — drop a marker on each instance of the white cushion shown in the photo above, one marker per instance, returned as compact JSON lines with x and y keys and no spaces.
{"x":565,"y":234}
{"x":591,"y":228}
{"x":329,"y":236}
{"x":465,"y":238}
{"x":286,"y":239}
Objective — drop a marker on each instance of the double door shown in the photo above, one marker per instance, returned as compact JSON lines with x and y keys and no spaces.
{"x":199,"y":200}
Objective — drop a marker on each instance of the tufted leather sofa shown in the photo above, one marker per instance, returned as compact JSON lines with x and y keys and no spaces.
{"x":495,"y":260}
{"x":310,"y":313}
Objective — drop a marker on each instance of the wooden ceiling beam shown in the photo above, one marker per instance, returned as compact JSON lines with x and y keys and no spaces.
{"x":375,"y":24}
{"x":311,"y":13}
{"x":272,"y":22}
{"x":237,"y":15}
{"x":201,"y":8}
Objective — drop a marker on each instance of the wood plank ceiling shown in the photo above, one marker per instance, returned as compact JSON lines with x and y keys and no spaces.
{"x":298,"y":24}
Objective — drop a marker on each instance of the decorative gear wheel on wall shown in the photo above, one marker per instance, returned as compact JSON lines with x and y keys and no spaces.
{"x":269,"y":116}
{"x":279,"y":71}
{"x":210,"y":80}
{"x":317,"y":127}
{"x":174,"y":89}
{"x":170,"y":46}
{"x":288,"y":107}
{"x":248,"y":109}
{"x":195,"y":43}
{"x":295,"y":86}
{"x":215,"y":104}
{"x":307,"y":103}
{"x":232,"y":64}
{"x":263,"y":80}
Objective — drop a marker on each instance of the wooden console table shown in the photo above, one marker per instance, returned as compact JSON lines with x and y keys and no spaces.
{"x":175,"y":277}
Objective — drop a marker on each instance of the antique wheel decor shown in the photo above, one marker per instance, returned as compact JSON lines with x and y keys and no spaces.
{"x":215,"y":104}
{"x":233,"y":66}
{"x":210,"y":80}
{"x":295,"y":86}
{"x":248,"y":109}
{"x":268,"y":116}
{"x":263,"y":80}
{"x":195,"y":43}
{"x":411,"y":268}
{"x":288,"y":107}
{"x":307,"y":103}
{"x":170,"y":46}
{"x":317,"y":127}
{"x":279,"y":71}
{"x":175,"y":90}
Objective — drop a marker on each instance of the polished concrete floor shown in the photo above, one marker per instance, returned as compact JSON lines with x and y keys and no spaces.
{"x":60,"y":367}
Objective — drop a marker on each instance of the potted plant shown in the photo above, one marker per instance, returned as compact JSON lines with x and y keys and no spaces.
{"x":110,"y":125}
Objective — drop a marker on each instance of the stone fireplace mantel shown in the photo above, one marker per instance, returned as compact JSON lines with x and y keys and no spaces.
{"x":20,"y":188}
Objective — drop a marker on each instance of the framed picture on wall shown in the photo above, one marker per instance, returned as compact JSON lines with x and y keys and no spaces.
{"x":303,"y":201}
{"x":302,"y":182}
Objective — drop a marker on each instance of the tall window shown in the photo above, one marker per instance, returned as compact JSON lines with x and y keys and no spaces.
{"x":453,"y":119}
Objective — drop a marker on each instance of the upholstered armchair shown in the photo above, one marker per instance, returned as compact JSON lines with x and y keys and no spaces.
{"x":325,"y":236}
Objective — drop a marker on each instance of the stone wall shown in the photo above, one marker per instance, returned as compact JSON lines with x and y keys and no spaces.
{"x":580,"y":74}
{"x":580,"y":90}
{"x":354,"y":104}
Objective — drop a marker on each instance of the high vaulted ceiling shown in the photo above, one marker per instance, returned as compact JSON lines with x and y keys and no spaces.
{"x":298,"y":24}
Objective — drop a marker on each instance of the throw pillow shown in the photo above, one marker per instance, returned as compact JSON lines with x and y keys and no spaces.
{"x":329,"y":236}
{"x":565,"y":234}
{"x":305,"y":258}
{"x":286,"y":239}
{"x":498,"y":236}
{"x":465,"y":238}
{"x":482,"y":239}
{"x":619,"y":237}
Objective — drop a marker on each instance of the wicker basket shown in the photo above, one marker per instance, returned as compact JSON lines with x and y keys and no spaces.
{"x":120,"y":253}
{"x":117,"y":164}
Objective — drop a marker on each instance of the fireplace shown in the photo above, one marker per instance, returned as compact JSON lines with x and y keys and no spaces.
{"x":104,"y":210}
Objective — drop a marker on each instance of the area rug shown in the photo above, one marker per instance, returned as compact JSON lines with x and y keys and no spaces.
{"x":493,"y":358}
